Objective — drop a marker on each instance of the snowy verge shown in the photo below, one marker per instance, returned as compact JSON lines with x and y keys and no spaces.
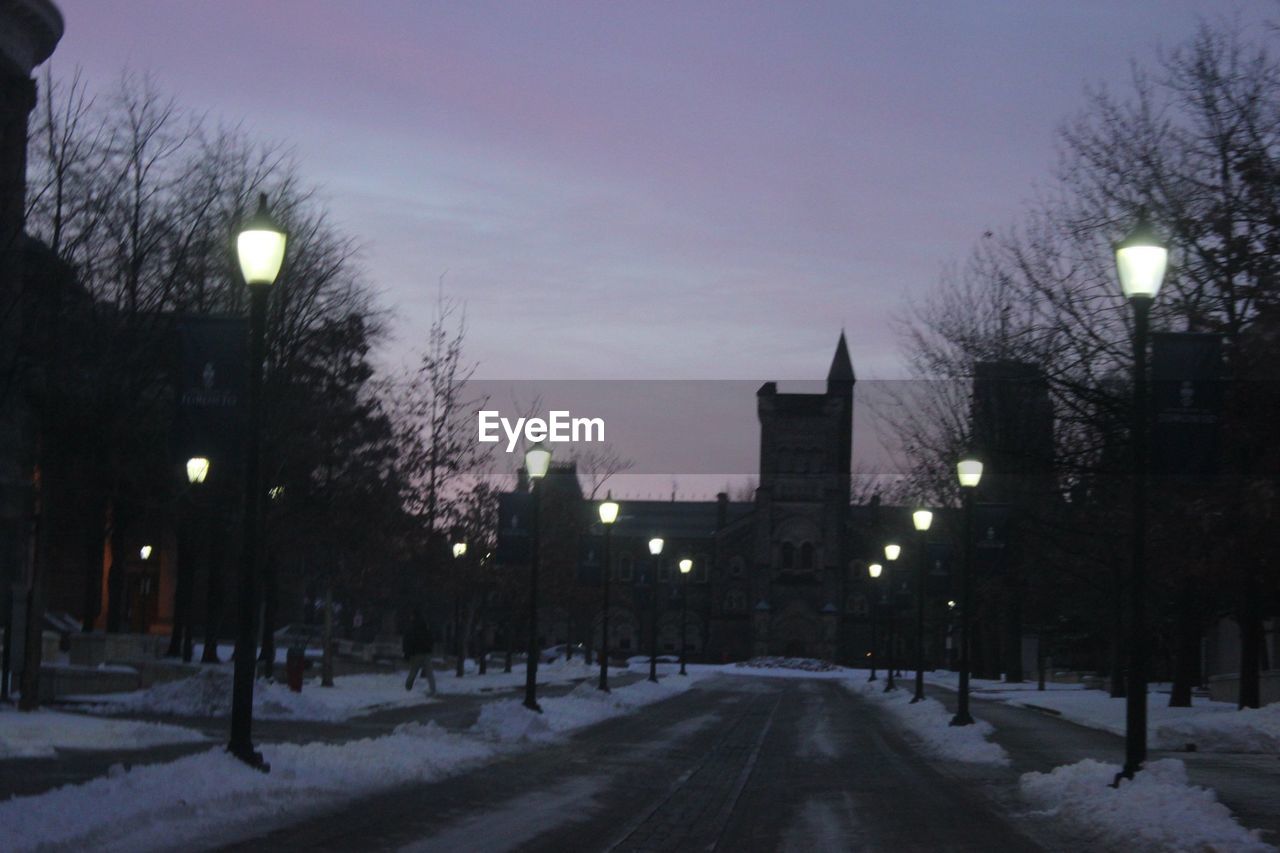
{"x":929,"y":722}
{"x":190,"y":802}
{"x":1157,"y":810}
{"x":1245,"y":730}
{"x":40,"y":734}
{"x":508,"y":721}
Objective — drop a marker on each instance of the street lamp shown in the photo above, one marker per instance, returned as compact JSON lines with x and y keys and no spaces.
{"x":655,"y":548}
{"x":197,"y":470}
{"x":537,"y":459}
{"x":891,"y":553}
{"x":969,"y":473}
{"x":1141,"y":260}
{"x":608,"y":515}
{"x":921,"y":519}
{"x":686,"y":566}
{"x":459,"y":549}
{"x":874,"y":570}
{"x":145,"y":552}
{"x":260,"y":247}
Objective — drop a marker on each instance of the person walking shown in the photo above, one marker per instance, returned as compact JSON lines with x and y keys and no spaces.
{"x":418,"y":644}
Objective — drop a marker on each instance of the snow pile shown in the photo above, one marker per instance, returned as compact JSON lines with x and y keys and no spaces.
{"x":802,"y":664}
{"x":39,"y":734}
{"x":1246,"y":730}
{"x":1157,"y":810}
{"x":185,"y":802}
{"x":930,"y":723}
{"x":208,"y":694}
{"x":508,"y":721}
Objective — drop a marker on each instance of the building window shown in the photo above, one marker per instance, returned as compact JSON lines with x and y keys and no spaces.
{"x":735,"y":601}
{"x":736,"y":567}
{"x":788,"y":556}
{"x":806,"y":556}
{"x":701,"y":567}
{"x":857,"y":605}
{"x":625,"y":572}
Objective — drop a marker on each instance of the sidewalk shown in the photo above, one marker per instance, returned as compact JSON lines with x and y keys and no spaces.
{"x":451,"y":711}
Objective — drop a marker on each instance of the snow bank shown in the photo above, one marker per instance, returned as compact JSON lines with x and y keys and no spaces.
{"x":929,"y":722}
{"x":508,"y":721}
{"x":184,"y":802}
{"x":1246,"y":730}
{"x":193,"y":800}
{"x":1157,"y":810}
{"x":208,"y":694}
{"x":40,"y":734}
{"x":778,"y":667}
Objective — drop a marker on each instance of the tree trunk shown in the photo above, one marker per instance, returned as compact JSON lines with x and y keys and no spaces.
{"x":115,"y":575}
{"x":1117,"y":640}
{"x":1250,"y":644}
{"x":1186,"y":669}
{"x":95,"y":546}
{"x":213,"y":600}
{"x":34,"y":645}
{"x":1013,"y":633}
{"x":270,"y":608}
{"x":326,"y":662}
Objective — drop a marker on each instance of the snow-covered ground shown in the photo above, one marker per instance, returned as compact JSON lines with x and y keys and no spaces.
{"x":1207,"y":725}
{"x":40,"y":734}
{"x":208,"y":693}
{"x":188,"y":802}
{"x":929,"y":722}
{"x":1158,"y":810}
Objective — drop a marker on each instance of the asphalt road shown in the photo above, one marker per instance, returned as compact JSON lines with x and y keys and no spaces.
{"x":735,"y":764}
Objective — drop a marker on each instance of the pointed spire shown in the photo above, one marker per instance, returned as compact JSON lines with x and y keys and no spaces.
{"x":841,"y":366}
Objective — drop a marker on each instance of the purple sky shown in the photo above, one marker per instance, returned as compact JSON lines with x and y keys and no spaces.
{"x":650,"y":190}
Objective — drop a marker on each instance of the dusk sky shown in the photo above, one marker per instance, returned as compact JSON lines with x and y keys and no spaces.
{"x":650,"y":190}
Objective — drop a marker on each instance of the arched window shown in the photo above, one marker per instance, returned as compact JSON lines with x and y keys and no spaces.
{"x":806,"y":556}
{"x":788,"y":555}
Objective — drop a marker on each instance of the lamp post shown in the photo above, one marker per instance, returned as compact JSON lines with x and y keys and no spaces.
{"x":921,"y":519}
{"x":1141,"y":260}
{"x":874,"y":570}
{"x":686,"y":566}
{"x":655,"y":548}
{"x":608,"y":515}
{"x":969,"y":473}
{"x":459,"y":550}
{"x":260,"y":248}
{"x":891,"y":554}
{"x":180,"y":641}
{"x":537,"y":459}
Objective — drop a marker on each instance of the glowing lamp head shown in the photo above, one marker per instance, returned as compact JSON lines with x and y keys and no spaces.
{"x":197,"y":469}
{"x":145,"y":552}
{"x":969,"y":472}
{"x":459,"y":548}
{"x":537,"y":459}
{"x":922,"y":519}
{"x":686,"y":566}
{"x":655,"y":545}
{"x":260,"y":247}
{"x":1141,"y":260}
{"x":875,"y":569}
{"x":892,"y":552}
{"x":951,"y":603}
{"x":608,"y":510}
